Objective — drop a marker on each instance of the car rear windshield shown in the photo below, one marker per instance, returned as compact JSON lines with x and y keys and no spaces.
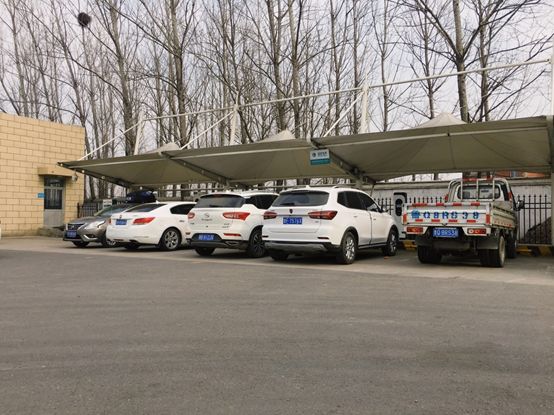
{"x":110,"y":210}
{"x":485,"y":192}
{"x":216,"y":201}
{"x":307,"y":198}
{"x":147,"y":207}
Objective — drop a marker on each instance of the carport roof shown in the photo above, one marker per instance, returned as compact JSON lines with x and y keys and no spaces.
{"x":524,"y":144}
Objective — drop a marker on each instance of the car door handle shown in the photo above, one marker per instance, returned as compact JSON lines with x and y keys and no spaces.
{"x":181,"y":221}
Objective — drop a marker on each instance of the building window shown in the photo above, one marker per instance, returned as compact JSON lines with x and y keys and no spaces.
{"x":53,"y":193}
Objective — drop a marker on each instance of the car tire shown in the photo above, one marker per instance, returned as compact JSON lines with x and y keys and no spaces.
{"x":107,"y":243}
{"x":511,"y":247}
{"x":428,"y":255}
{"x":256,"y":248}
{"x":348,"y":249}
{"x":392,"y":243}
{"x":203,"y":251}
{"x":498,"y":256}
{"x":80,"y":244}
{"x":131,"y":247}
{"x":278,"y":255}
{"x":170,"y":240}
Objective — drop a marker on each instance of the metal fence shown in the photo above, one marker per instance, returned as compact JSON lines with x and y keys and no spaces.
{"x":88,"y":208}
{"x":534,"y":218}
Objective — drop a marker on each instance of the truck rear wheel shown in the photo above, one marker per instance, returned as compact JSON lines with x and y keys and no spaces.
{"x":428,"y":255}
{"x":498,"y":256}
{"x":511,"y":246}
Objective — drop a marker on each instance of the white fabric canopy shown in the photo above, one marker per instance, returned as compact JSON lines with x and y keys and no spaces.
{"x":521,"y":144}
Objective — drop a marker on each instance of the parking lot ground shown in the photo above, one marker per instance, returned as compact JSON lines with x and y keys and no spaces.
{"x":91,"y":331}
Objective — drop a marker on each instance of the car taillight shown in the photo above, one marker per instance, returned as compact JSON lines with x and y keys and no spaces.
{"x":414,"y":229}
{"x":323,"y":214}
{"x":142,"y":221}
{"x":270,"y":214}
{"x":190,"y":215}
{"x":109,"y":221}
{"x":477,"y":231}
{"x":236,"y":215}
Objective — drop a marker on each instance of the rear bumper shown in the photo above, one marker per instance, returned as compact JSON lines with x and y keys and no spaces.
{"x":465,"y":243}
{"x":222,"y":243}
{"x":301,"y":247}
{"x":143,"y":236}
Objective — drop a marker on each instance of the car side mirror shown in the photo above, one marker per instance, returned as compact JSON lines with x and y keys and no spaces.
{"x":520,"y":204}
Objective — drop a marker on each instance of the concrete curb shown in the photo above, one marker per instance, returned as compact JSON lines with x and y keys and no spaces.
{"x":522,"y":249}
{"x":535,"y":250}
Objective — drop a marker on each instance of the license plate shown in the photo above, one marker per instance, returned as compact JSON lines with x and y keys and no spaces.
{"x":292,"y":221}
{"x":71,"y":234}
{"x":121,"y":221}
{"x":445,"y":232}
{"x":206,"y":237}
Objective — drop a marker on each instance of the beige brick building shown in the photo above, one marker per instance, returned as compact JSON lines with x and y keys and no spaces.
{"x":34,"y":191}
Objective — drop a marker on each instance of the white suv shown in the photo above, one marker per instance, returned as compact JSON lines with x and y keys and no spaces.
{"x":327,"y":219}
{"x":229,"y":220}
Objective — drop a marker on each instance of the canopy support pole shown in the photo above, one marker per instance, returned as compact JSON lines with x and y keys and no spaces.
{"x":550,"y":127}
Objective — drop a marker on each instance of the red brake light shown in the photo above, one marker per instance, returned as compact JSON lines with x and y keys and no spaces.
{"x":414,"y":229}
{"x":190,"y":215}
{"x":270,"y":215}
{"x":477,"y":231}
{"x":109,"y":221}
{"x":324,"y":214}
{"x":236,"y":215}
{"x":143,"y":221}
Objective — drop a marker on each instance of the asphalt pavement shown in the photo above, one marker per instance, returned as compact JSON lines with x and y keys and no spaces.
{"x":96,"y":331}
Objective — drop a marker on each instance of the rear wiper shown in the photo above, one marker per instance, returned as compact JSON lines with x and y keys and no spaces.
{"x":214,"y":206}
{"x":288,"y":204}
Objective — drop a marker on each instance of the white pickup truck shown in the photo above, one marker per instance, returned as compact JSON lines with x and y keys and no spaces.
{"x":478,"y":217}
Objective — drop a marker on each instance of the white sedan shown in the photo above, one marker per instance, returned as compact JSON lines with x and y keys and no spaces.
{"x":164,"y":224}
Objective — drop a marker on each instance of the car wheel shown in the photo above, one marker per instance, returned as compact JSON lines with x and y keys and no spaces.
{"x":256,"y":247}
{"x":132,"y":246}
{"x":392,"y":243}
{"x":107,"y":243}
{"x":498,"y":256}
{"x":428,"y":255}
{"x":348,"y":249}
{"x":202,"y":251}
{"x":511,"y":246}
{"x":80,"y":244}
{"x":170,"y":240}
{"x":278,"y":255}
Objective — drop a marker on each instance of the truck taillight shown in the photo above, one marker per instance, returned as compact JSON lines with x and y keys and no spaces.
{"x":236,"y":215}
{"x":477,"y":231}
{"x":143,"y":221}
{"x":414,"y":229}
{"x":270,"y":214}
{"x":190,"y":215}
{"x":323,"y":214}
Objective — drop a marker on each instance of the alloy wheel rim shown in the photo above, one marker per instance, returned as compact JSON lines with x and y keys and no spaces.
{"x":257,"y":243}
{"x":392,"y":243}
{"x":502,"y":248}
{"x":350,"y":249}
{"x":171,"y":239}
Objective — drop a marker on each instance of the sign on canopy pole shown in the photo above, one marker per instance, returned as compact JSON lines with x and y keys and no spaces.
{"x":319,"y":156}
